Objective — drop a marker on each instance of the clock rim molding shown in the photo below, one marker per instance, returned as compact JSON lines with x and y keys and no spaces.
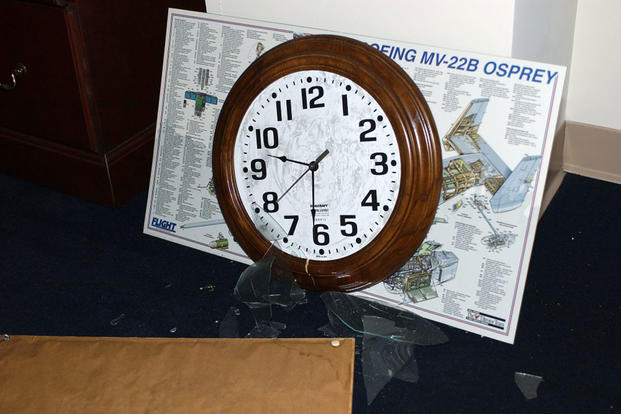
{"x":420,"y":156}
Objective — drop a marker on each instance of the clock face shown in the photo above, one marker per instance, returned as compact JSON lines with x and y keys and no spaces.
{"x":317,"y":165}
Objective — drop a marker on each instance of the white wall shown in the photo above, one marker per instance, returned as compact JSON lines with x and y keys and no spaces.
{"x":530,"y":29}
{"x":484,"y":26}
{"x":543,"y":31}
{"x":594,"y":95}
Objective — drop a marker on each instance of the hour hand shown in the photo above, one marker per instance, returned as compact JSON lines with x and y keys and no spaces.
{"x":285,"y":159}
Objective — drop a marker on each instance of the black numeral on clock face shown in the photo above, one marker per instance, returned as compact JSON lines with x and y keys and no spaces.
{"x":270,"y":202}
{"x":351,"y":226}
{"x":287,"y":110}
{"x":257,"y":166}
{"x":294,"y":224}
{"x":371,"y":127}
{"x":320,"y":238}
{"x":344,"y":104}
{"x":370,"y":200}
{"x":267,"y":137}
{"x":381,"y":165}
{"x":313,"y":103}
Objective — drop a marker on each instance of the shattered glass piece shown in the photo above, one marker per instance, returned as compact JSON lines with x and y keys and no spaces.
{"x":528,"y":384}
{"x":259,"y":287}
{"x":385,"y":328}
{"x":265,"y":223}
{"x":340,"y":328}
{"x":259,"y":290}
{"x":347,"y":312}
{"x":5,"y":338}
{"x":253,"y":283}
{"x":426,"y":333}
{"x":285,"y":293}
{"x":383,"y":359}
{"x":343,"y":311}
{"x":262,"y":330}
{"x":115,"y":321}
{"x":173,"y":329}
{"x":261,"y":314}
{"x":266,"y":330}
{"x":409,"y":371}
{"x":278,"y":325}
{"x":399,"y":356}
{"x":388,"y":338}
{"x":229,"y":328}
{"x":327,"y":330}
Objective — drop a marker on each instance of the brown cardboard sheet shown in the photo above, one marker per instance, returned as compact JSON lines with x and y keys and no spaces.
{"x":155,"y":375}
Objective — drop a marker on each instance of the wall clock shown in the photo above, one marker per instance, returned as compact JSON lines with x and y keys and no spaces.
{"x":326,"y":154}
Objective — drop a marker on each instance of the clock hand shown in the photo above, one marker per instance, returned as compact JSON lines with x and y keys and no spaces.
{"x":285,"y":159}
{"x":321,"y":156}
{"x":294,"y":183}
{"x":313,"y":211}
{"x":311,"y":167}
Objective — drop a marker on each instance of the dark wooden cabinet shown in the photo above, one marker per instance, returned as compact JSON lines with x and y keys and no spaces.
{"x":82,"y":118}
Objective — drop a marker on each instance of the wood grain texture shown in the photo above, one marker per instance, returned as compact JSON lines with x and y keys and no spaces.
{"x":46,"y":102}
{"x":82,"y":119}
{"x":421,"y":174}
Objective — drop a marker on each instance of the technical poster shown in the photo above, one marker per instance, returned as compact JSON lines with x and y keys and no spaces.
{"x":496,"y":119}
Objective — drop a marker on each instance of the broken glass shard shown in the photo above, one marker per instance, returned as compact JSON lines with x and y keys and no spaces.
{"x":347,"y":312}
{"x":229,"y":327}
{"x":528,"y":384}
{"x":266,"y":329}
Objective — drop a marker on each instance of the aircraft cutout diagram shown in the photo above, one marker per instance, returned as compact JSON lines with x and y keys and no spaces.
{"x":478,"y":164}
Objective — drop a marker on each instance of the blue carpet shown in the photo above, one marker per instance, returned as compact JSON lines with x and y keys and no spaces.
{"x":69,"y":267}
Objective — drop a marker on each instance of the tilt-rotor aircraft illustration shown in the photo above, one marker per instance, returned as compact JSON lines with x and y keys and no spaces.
{"x":478,"y":164}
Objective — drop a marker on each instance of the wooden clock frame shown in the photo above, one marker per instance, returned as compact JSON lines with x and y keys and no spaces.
{"x":416,"y":134}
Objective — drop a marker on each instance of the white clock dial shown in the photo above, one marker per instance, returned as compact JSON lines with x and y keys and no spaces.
{"x":317,"y":165}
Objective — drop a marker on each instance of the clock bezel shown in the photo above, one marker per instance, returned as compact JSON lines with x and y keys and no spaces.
{"x":415,"y":133}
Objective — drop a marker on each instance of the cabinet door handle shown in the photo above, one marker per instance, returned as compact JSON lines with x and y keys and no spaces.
{"x":19,"y":70}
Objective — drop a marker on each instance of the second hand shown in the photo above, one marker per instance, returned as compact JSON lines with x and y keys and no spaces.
{"x":294,"y":183}
{"x":313,"y":166}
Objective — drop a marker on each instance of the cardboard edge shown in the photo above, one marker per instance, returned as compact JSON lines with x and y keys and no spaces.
{"x":556,"y":172}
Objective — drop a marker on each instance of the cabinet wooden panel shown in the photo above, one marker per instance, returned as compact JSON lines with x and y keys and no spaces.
{"x":47,"y":96}
{"x":82,"y":119}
